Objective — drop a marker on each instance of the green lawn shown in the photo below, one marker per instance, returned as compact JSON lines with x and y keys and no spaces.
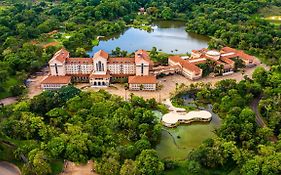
{"x":10,"y":82}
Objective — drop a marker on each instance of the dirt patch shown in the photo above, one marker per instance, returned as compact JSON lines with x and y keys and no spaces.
{"x":34,"y":88}
{"x":51,"y":44}
{"x":71,"y":168}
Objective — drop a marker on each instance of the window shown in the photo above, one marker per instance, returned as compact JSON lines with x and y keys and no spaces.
{"x":142,"y":68}
{"x":102,"y":67}
{"x":56,"y":67}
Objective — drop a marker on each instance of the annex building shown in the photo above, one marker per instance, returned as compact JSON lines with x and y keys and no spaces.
{"x":99,"y":70}
{"x":225,"y":59}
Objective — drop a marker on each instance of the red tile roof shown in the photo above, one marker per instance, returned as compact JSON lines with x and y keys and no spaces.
{"x":197,"y":61}
{"x":57,"y":80}
{"x":204,"y":50}
{"x":245,"y":56}
{"x":227,"y":60}
{"x":121,"y":75}
{"x":121,"y":61}
{"x":148,"y":79}
{"x":78,"y":75}
{"x":210,"y":58}
{"x":143,"y":55}
{"x":79,"y":61}
{"x":61,"y":55}
{"x":228,"y":49}
{"x":107,"y":75}
{"x":101,"y":53}
{"x":185,"y":64}
{"x":230,"y":55}
{"x":239,"y":53}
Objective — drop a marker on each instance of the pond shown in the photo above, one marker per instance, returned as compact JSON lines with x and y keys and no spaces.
{"x":177,"y":142}
{"x":168,"y":36}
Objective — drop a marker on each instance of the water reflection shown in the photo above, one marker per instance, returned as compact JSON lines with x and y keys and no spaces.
{"x":168,"y":36}
{"x":177,"y":142}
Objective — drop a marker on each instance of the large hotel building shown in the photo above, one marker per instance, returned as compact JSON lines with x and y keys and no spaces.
{"x":99,"y":70}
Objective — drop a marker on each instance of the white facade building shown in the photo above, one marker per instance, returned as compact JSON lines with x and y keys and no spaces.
{"x":99,"y":70}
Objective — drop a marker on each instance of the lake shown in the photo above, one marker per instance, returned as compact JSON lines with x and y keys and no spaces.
{"x":176,"y":143}
{"x":168,"y":36}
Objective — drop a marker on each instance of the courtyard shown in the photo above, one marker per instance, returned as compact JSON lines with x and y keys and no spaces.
{"x":169,"y":85}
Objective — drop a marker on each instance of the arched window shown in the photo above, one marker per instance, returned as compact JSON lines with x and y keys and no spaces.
{"x":100,"y":66}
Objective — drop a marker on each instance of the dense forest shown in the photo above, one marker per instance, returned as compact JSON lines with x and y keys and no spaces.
{"x":120,"y":136}
{"x":242,"y":146}
{"x":78,"y":126}
{"x":27,"y":26}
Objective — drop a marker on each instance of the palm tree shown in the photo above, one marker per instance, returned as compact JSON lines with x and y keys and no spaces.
{"x":219,"y":69}
{"x":211,"y":64}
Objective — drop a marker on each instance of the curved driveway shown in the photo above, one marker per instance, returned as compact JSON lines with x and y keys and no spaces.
{"x":8,"y":169}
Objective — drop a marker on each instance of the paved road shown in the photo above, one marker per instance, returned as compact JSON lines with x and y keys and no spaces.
{"x":8,"y":101}
{"x":254,"y":106}
{"x":9,"y":169}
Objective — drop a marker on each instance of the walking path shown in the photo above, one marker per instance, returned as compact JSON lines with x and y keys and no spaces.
{"x":254,"y":106}
{"x":7,"y":168}
{"x":8,"y":101}
{"x":71,"y":168}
